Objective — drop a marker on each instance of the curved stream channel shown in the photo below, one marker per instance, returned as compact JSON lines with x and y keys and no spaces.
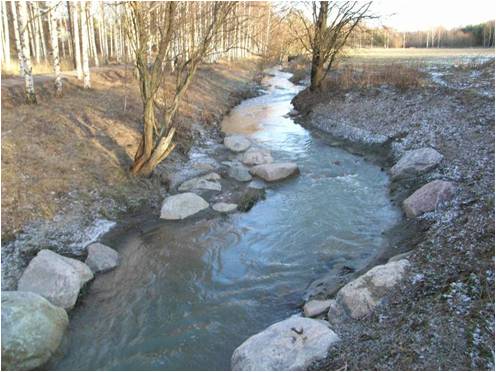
{"x":188,"y":293}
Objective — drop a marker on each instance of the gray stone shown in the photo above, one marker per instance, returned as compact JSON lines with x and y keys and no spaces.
{"x":206,"y":182}
{"x":237,"y":143}
{"x":359,"y":297}
{"x":180,"y":206}
{"x":428,"y":197}
{"x":257,"y":184}
{"x":415,"y":162}
{"x":291,"y":345}
{"x":32,"y":329}
{"x":275,"y":171}
{"x":314,"y":308}
{"x":224,"y":207}
{"x":101,"y":258}
{"x":204,"y":166}
{"x":400,"y":256}
{"x":55,"y":277}
{"x":257,"y":157}
{"x":239,"y":173}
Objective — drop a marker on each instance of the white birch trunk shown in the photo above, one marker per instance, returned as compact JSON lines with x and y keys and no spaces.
{"x":85,"y":46}
{"x":17,"y":38}
{"x":75,"y":33}
{"x":25,"y":53}
{"x":92,"y":36}
{"x":6,"y":33}
{"x":54,"y":35}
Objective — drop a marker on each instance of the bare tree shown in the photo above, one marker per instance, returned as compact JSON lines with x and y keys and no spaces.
{"x":324,"y":37}
{"x":54,"y":36}
{"x":25,"y":53}
{"x":73,"y":9}
{"x":158,"y":131}
{"x":85,"y":45}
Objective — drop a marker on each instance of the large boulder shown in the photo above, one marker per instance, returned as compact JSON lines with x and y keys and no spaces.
{"x":428,"y":197}
{"x":415,"y":162}
{"x":239,"y":173}
{"x":206,"y":182}
{"x":180,"y":206}
{"x":55,"y":277}
{"x":291,"y":345}
{"x":257,"y":157}
{"x":237,"y":143}
{"x":358,"y":298}
{"x":32,"y":329}
{"x":101,"y":258}
{"x":275,"y":171}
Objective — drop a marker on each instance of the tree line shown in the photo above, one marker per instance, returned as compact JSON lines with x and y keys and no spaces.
{"x":90,"y":34}
{"x":480,"y":35}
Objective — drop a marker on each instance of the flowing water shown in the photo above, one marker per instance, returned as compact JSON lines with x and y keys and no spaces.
{"x":188,"y":293}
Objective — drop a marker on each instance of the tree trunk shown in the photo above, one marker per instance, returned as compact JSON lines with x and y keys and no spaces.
{"x":75,"y":35}
{"x":25,"y":53}
{"x":54,"y":35}
{"x":317,"y":71}
{"x":85,"y":46}
{"x":92,"y":36}
{"x":17,"y":37}
{"x":6,"y":34}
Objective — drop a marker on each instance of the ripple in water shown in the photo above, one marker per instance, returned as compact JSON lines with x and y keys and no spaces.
{"x":187,"y":294}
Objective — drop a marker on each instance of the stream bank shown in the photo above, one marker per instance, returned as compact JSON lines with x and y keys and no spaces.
{"x":63,"y":197}
{"x":210,"y":281}
{"x":442,"y":315}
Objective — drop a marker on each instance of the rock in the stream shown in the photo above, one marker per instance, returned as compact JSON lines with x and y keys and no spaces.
{"x":257,"y":157}
{"x":101,"y":258}
{"x":206,"y":182}
{"x":239,"y":173}
{"x":257,"y":184}
{"x":32,"y":329}
{"x":55,"y":277}
{"x":415,"y":162}
{"x":314,"y":308}
{"x":250,"y":197}
{"x":359,"y":297}
{"x":180,"y":206}
{"x":428,"y":197}
{"x":237,"y":143}
{"x":293,"y":344}
{"x":275,"y":171}
{"x":224,"y":207}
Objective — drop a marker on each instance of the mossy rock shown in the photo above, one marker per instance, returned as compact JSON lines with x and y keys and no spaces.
{"x":250,"y":198}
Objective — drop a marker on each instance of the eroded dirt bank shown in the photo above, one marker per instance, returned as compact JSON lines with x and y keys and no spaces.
{"x":442,"y":315}
{"x":65,"y":161}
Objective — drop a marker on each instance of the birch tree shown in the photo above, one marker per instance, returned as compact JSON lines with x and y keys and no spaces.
{"x":54,"y":36}
{"x":85,"y":46}
{"x":73,"y":8}
{"x":17,"y":37}
{"x":5,"y":34}
{"x":25,"y":53}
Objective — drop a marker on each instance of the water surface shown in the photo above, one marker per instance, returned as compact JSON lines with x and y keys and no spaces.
{"x":188,"y":293}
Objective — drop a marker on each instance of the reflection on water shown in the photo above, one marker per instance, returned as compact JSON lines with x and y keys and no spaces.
{"x":187,"y":294}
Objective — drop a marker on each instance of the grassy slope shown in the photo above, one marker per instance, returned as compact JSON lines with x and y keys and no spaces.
{"x":85,"y":140}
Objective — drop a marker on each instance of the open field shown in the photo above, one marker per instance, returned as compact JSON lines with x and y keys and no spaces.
{"x":419,"y":56}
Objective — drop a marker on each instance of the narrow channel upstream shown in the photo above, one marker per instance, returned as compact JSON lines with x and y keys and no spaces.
{"x":188,"y":293}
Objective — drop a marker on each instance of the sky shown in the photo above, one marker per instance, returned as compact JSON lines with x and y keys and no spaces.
{"x":413,"y":15}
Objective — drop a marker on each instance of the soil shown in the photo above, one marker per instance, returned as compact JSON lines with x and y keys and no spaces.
{"x":442,"y":315}
{"x":65,"y":161}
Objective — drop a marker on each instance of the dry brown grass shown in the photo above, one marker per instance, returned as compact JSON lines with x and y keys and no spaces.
{"x":85,"y":140}
{"x":400,"y":76}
